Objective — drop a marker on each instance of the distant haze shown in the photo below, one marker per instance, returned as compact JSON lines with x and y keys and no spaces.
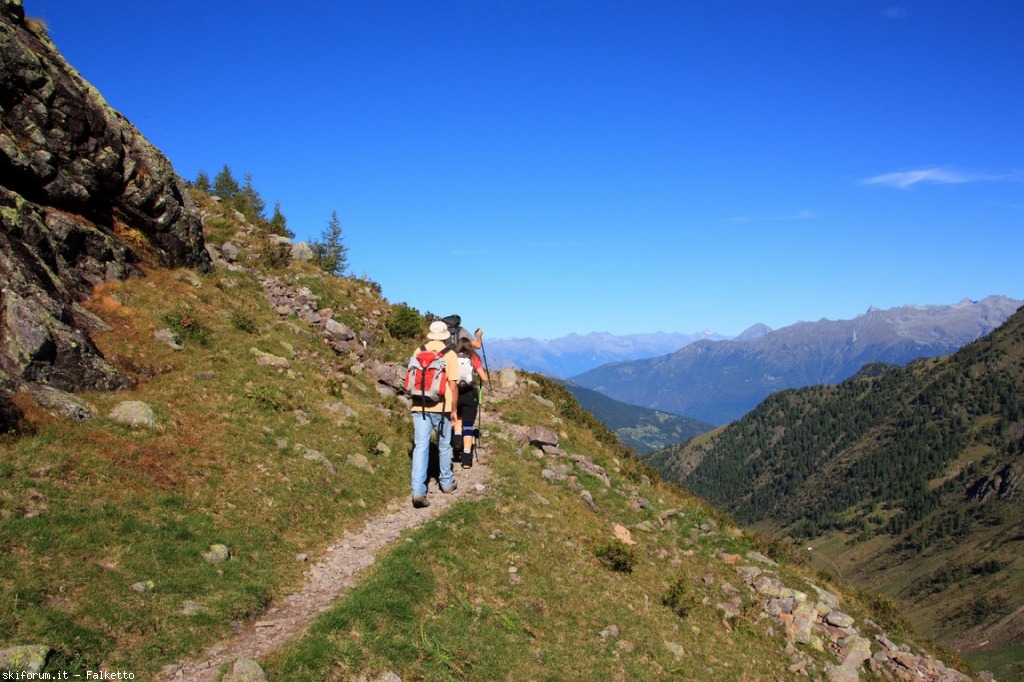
{"x":575,"y":353}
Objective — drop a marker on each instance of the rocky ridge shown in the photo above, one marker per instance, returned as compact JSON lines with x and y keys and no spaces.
{"x":84,"y":198}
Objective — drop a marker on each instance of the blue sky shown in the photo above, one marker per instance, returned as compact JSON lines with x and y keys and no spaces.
{"x":548,"y":167}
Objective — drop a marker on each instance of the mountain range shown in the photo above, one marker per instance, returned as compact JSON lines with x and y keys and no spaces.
{"x":906,"y":480}
{"x":573,"y":354}
{"x":720,"y":381}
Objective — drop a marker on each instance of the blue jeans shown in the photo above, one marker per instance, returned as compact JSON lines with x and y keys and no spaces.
{"x":423,"y":424}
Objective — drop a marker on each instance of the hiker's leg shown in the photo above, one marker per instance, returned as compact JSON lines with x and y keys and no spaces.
{"x":422,"y":427}
{"x":469,"y":420}
{"x":444,"y":451}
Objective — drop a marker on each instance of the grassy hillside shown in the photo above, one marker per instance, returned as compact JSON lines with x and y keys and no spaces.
{"x":907,"y":480}
{"x":579,"y":566}
{"x":640,"y":428}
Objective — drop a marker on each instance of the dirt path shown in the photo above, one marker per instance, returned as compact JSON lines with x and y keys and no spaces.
{"x":329,"y":578}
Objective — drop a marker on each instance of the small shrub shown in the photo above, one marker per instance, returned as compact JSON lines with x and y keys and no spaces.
{"x":405,"y":322}
{"x":185,"y":323}
{"x":275,"y":257}
{"x":617,"y":556}
{"x":680,"y":597}
{"x":270,"y":398}
{"x":244,"y":323}
{"x":887,"y":613}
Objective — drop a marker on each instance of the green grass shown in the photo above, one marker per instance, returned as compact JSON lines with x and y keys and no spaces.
{"x":1007,"y":664}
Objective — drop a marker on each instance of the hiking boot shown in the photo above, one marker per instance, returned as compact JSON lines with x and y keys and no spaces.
{"x":451,"y":488}
{"x":420,"y":501}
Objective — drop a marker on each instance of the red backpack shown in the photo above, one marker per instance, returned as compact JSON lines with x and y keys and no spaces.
{"x":426,"y":377}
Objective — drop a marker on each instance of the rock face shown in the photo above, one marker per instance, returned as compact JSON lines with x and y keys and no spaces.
{"x":84,"y":199}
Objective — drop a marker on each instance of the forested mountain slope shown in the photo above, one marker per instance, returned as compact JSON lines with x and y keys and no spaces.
{"x":910,"y":479}
{"x":637,"y":427}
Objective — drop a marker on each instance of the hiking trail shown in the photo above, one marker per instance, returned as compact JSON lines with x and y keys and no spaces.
{"x":328,"y":579}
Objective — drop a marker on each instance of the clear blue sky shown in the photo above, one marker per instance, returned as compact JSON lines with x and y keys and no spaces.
{"x":557,"y":166}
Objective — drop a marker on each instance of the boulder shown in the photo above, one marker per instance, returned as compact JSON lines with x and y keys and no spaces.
{"x":28,"y":659}
{"x":245,"y":670}
{"x":134,"y":413}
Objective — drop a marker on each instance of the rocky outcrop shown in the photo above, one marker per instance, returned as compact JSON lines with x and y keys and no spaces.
{"x":84,"y":199}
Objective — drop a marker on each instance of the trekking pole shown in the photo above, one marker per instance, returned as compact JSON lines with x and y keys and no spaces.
{"x":486,"y":368}
{"x":480,"y":418}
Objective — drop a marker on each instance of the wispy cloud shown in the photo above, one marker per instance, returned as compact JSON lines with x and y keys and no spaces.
{"x":895,"y":12}
{"x":799,"y":215}
{"x":935,"y":176}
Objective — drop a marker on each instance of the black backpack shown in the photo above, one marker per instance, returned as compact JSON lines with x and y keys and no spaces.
{"x":454,"y":323}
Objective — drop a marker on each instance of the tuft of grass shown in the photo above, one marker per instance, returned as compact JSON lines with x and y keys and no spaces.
{"x":270,"y":398}
{"x":244,"y":323}
{"x":617,"y":556}
{"x":187,"y":325}
{"x":680,"y":597}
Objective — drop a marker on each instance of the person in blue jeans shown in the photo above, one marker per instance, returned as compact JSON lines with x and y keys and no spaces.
{"x":430,"y":416}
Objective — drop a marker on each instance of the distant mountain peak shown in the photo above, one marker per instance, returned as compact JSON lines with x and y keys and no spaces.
{"x":754,"y":331}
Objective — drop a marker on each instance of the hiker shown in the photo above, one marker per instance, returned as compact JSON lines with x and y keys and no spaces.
{"x":433,"y":412}
{"x":470,"y":368}
{"x":458,"y":332}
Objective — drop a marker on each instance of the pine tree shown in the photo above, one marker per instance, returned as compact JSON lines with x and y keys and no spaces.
{"x":329,"y":253}
{"x":249,"y":202}
{"x":279,"y":224}
{"x":224,"y":185}
{"x":202,"y":182}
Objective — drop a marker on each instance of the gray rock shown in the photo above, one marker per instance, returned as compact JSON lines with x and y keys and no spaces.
{"x":230,"y":252}
{"x":541,"y":435}
{"x":168,"y":337}
{"x":839,"y":619}
{"x":29,"y":659}
{"x":193,"y":608}
{"x":245,"y":670}
{"x":507,"y":378}
{"x":338,"y":331}
{"x":340,"y":408}
{"x":134,"y":413}
{"x":62,"y":403}
{"x":675,"y":649}
{"x":760,"y":558}
{"x":217,"y":554}
{"x":588,"y":466}
{"x":302,"y":251}
{"x":269,"y":359}
{"x":544,"y":401}
{"x":360,"y":461}
{"x":319,"y":458}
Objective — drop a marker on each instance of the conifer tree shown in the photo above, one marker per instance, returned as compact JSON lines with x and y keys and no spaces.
{"x":249,"y":202}
{"x":329,"y":252}
{"x":224,"y":184}
{"x":279,"y":224}
{"x":202,"y":182}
